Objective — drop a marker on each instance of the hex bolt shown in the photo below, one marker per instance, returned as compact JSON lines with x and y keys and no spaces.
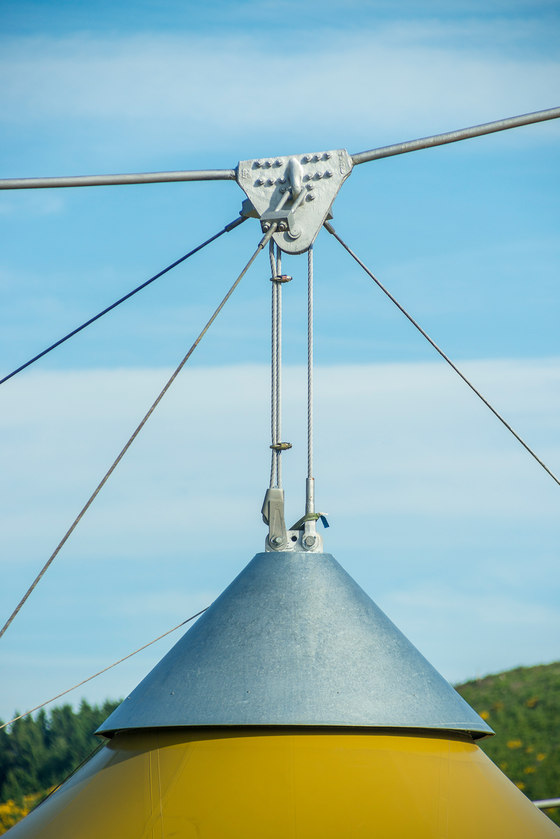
{"x":270,"y":182}
{"x":266,"y":226}
{"x":267,"y":164}
{"x":278,"y":162}
{"x":258,"y":164}
{"x":283,"y":225}
{"x":277,"y":540}
{"x":328,"y":173}
{"x":327,"y":155}
{"x":259,"y":182}
{"x":310,"y":197}
{"x":309,"y":540}
{"x":306,"y":158}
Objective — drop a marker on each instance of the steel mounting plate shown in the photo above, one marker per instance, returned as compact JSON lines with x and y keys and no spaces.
{"x":296,"y":191}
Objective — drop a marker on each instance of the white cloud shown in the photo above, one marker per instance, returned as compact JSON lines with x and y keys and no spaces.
{"x":183,"y":91}
{"x":392,"y":440}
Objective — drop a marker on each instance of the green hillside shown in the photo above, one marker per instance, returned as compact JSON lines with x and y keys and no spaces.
{"x":522,"y":706}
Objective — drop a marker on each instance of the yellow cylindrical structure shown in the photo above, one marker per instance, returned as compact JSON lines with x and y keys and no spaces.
{"x":287,"y":784}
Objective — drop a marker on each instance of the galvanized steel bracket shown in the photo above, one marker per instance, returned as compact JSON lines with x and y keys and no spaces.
{"x":294,"y":191}
{"x":302,"y":537}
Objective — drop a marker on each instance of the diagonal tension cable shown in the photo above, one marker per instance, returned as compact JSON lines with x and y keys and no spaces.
{"x":446,"y":358}
{"x":134,"y":291}
{"x":100,"y":672}
{"x":137,"y":431}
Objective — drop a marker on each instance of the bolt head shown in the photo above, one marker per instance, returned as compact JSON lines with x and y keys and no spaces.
{"x":266,"y":226}
{"x":309,"y":540}
{"x":277,"y":540}
{"x":310,"y":197}
{"x":306,"y":158}
{"x":328,"y":174}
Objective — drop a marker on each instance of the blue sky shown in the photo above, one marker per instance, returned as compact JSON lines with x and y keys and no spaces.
{"x":434,"y":508}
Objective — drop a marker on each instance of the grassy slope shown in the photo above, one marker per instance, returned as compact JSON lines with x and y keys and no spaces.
{"x":523,"y":708}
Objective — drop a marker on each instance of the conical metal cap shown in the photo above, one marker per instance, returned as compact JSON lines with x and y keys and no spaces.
{"x":294,"y":641}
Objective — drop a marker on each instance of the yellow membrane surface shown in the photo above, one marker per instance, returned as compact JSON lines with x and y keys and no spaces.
{"x":266,"y":784}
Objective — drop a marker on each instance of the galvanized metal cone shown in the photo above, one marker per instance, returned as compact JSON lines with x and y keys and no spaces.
{"x":294,"y":641}
{"x":293,"y":707}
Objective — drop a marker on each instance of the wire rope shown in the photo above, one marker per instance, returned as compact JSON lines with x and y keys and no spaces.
{"x":446,"y":358}
{"x":137,"y":431}
{"x":276,"y":367}
{"x":134,"y":291}
{"x":273,"y":370}
{"x":104,"y":670}
{"x":309,"y":502}
{"x":279,"y":364}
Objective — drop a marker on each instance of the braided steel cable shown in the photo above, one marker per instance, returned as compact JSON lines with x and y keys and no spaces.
{"x":446,"y":358}
{"x":100,"y":672}
{"x":273,"y":369}
{"x":136,"y":432}
{"x":309,"y":503}
{"x":276,"y":368}
{"x":278,"y":365}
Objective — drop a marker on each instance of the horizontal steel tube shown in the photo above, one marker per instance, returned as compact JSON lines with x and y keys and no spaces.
{"x":454,"y":136}
{"x":547,"y":803}
{"x":109,"y":180}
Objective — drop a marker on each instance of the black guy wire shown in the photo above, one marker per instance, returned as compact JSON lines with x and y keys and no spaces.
{"x":385,"y":291}
{"x":35,"y":358}
{"x":137,"y":431}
